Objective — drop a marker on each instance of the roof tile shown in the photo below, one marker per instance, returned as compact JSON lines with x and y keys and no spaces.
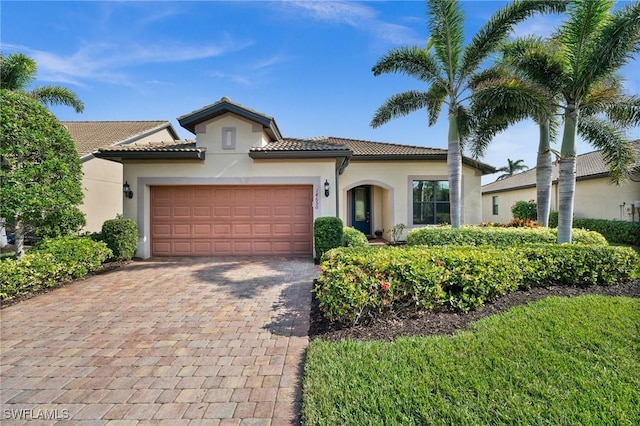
{"x":92,"y":135}
{"x":589,"y":164}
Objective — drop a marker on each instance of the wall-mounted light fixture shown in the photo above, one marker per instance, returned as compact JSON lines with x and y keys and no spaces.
{"x":126,"y":189}
{"x":326,"y":188}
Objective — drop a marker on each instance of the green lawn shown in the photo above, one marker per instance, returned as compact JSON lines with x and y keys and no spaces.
{"x":559,"y":361}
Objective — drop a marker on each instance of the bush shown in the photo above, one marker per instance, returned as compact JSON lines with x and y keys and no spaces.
{"x":477,"y":236}
{"x":553,"y":219}
{"x":49,"y":263}
{"x":121,"y":236}
{"x":525,"y":210}
{"x":360,"y":284}
{"x":615,"y":231}
{"x":354,"y":238}
{"x":327,"y":234}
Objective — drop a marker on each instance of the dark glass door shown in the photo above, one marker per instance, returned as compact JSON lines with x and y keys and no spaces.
{"x":361,"y":209}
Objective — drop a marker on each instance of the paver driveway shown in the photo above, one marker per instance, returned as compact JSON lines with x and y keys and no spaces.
{"x":212,"y":341}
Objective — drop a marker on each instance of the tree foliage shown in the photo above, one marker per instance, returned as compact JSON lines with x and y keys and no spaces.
{"x":41,"y":172}
{"x":18,"y":71}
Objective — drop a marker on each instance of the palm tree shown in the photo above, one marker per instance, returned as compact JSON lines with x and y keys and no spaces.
{"x":512,"y":168}
{"x":17,"y":72}
{"x":451,"y":70}
{"x":579,"y":76}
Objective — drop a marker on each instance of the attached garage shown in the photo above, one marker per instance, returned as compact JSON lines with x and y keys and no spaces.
{"x":231,"y":220}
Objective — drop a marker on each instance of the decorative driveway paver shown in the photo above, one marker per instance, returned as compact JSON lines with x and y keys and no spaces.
{"x":171,"y":341}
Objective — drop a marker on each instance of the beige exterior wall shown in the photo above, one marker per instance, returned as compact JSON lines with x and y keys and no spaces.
{"x":594,"y":198}
{"x":392,"y":198}
{"x":600,"y":199}
{"x":102,"y":189}
{"x":228,"y":139}
{"x":225,"y":166}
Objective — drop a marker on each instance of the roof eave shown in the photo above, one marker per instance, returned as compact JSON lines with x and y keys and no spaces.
{"x":189,"y":121}
{"x":279,"y":155}
{"x":147,"y":155}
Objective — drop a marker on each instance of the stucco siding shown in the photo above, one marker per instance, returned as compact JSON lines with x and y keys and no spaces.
{"x":102,"y":189}
{"x":600,"y":199}
{"x":594,"y":198}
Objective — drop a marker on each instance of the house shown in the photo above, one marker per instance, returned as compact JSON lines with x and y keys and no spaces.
{"x":595,"y":196}
{"x":243,"y":188}
{"x":102,"y":179}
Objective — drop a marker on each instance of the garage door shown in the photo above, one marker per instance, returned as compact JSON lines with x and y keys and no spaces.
{"x":231,"y":220}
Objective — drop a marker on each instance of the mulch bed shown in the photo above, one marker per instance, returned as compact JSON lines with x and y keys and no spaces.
{"x":441,"y":321}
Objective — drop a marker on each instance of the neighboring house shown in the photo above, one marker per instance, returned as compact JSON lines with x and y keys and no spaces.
{"x":102,"y":180}
{"x":243,"y":188}
{"x":595,"y":196}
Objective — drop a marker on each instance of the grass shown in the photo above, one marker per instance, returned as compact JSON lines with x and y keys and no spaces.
{"x":560,"y":361}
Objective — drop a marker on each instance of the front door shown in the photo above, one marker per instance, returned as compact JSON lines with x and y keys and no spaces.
{"x":361,"y":209}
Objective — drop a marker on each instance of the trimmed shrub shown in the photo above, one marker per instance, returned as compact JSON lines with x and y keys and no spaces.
{"x":327,"y":234}
{"x":49,"y":263}
{"x":360,"y":284}
{"x":615,"y":231}
{"x":121,"y":236}
{"x":494,"y":236}
{"x":553,"y":219}
{"x":525,"y":210}
{"x":354,"y":238}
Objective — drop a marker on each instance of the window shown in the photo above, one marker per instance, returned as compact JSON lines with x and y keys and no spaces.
{"x":494,"y":200}
{"x":228,"y":138}
{"x":430,"y":202}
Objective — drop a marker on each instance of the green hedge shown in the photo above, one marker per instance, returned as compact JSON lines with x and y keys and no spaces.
{"x":121,"y":236}
{"x":477,"y":236}
{"x":49,"y":263}
{"x":357,"y":284}
{"x":615,"y":231}
{"x":327,"y":234}
{"x":354,"y":238}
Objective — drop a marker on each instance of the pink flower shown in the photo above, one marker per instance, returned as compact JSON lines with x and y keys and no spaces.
{"x":385,"y":286}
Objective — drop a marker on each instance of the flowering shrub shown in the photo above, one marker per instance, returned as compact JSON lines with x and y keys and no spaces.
{"x":525,"y":210}
{"x":360,"y":284}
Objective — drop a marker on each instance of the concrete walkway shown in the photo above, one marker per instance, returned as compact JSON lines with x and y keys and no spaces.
{"x":212,"y":341}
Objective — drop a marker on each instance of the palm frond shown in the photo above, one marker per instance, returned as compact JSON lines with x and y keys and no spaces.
{"x":601,"y":95}
{"x":436,"y":96}
{"x":511,"y":93}
{"x":411,"y":61}
{"x":495,"y":72}
{"x":17,"y":71}
{"x":585,"y":18}
{"x":616,"y":148}
{"x":466,"y":124}
{"x":625,"y":112}
{"x":399,"y":105}
{"x":614,"y":44}
{"x":56,"y":95}
{"x":539,"y":60}
{"x":446,"y":28}
{"x":487,"y":40}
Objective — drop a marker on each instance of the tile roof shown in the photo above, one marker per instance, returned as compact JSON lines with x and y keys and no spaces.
{"x":91,"y":135}
{"x":363,"y":150}
{"x":169,"y":146}
{"x":591,"y":164}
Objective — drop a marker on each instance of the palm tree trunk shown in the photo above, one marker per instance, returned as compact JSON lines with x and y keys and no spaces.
{"x":567,"y":176}
{"x":19,"y":239}
{"x":454,"y":166}
{"x":544,"y":175}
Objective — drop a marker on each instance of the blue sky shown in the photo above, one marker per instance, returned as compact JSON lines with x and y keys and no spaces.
{"x":305,"y":63}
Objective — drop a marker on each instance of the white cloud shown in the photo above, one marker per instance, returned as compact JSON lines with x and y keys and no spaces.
{"x":107,"y":62}
{"x":359,"y":16}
